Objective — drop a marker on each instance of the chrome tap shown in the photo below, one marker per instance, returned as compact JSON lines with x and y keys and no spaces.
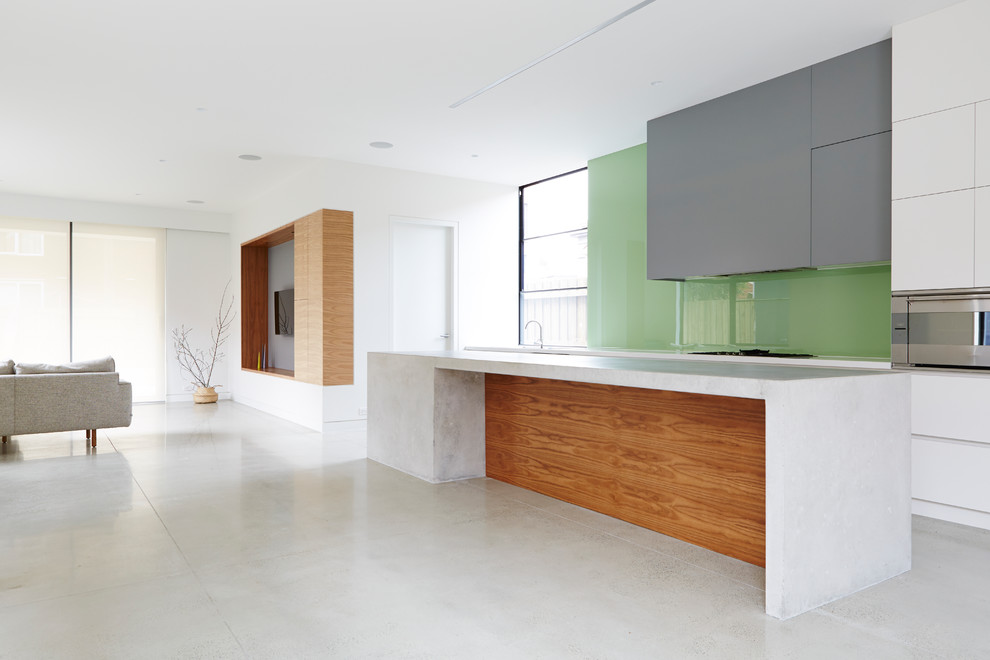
{"x":526,"y":327}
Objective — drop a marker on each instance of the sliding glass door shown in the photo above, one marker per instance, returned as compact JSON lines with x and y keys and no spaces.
{"x":109,"y":301}
{"x":118,"y":302}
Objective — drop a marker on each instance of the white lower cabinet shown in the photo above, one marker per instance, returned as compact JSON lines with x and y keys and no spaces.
{"x":950,"y":455}
{"x":932,"y":241}
{"x":951,"y":473}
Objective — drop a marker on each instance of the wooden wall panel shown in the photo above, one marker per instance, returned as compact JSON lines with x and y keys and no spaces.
{"x":254,"y":304}
{"x":338,"y":297}
{"x":303,"y":367}
{"x":691,"y":466}
{"x":323,"y":262}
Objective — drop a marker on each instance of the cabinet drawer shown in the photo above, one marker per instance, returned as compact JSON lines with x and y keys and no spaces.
{"x":950,"y":406}
{"x":951,"y":473}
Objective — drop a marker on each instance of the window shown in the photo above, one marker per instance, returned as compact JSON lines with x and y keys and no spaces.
{"x":553,"y":257}
{"x":115,"y":300}
{"x":34,"y":290}
{"x":22,"y":242}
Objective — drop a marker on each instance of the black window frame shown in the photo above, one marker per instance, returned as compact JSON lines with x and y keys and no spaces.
{"x":522,"y":244}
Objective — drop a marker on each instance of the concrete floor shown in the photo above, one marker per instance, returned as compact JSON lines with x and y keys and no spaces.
{"x":218,"y":531}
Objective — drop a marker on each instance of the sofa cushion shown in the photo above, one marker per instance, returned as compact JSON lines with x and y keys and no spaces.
{"x":81,"y":367}
{"x":6,"y":367}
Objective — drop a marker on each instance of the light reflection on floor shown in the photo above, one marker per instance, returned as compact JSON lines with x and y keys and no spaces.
{"x":219,"y":531}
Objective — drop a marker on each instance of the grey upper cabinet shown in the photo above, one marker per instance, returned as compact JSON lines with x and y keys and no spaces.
{"x":730,"y":183}
{"x":850,"y":95}
{"x":850,"y":201}
{"x":790,"y":173}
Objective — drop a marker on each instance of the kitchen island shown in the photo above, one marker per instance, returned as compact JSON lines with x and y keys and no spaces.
{"x":835,"y":482}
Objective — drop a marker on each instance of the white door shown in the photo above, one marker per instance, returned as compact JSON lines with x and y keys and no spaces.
{"x":423,"y":286}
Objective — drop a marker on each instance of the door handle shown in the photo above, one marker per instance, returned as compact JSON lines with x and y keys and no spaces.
{"x":444,"y":336}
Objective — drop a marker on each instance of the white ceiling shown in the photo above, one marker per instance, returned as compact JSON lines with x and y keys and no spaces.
{"x":151,"y":102}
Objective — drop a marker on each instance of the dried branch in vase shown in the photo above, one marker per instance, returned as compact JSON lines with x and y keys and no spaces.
{"x":195,"y":362}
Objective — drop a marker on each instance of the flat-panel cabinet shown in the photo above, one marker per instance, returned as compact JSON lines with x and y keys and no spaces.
{"x":950,"y":450}
{"x":850,"y":95}
{"x":932,"y":241}
{"x":933,"y":153}
{"x":731,"y":180}
{"x":730,"y":183}
{"x":982,"y":158}
{"x":981,"y":237}
{"x":850,"y":201}
{"x":940,"y":60}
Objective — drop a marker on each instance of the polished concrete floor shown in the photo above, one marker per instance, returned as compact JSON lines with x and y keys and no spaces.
{"x":218,"y":531}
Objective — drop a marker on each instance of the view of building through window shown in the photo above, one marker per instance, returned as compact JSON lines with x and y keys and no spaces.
{"x":553,"y":287}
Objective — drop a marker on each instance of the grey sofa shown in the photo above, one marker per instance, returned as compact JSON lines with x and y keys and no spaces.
{"x":69,"y":400}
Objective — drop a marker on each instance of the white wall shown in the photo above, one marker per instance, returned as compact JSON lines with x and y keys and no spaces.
{"x":197,"y":266}
{"x":941,"y":83}
{"x":487,"y":218}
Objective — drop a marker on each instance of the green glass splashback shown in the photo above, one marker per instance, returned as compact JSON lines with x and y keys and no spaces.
{"x":834,"y":312}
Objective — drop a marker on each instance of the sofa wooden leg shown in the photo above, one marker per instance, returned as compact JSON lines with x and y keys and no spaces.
{"x":5,"y":439}
{"x":92,"y":434}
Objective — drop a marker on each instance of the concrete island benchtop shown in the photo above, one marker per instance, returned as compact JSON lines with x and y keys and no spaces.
{"x":837,"y":448}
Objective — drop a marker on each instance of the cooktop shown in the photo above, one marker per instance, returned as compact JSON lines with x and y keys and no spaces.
{"x":755,"y":352}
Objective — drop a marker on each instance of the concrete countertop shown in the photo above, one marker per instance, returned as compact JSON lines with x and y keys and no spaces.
{"x":748,"y":379}
{"x":822,"y":361}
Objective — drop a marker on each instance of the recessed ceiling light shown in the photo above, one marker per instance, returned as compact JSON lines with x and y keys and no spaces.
{"x":200,"y":109}
{"x":474,"y":155}
{"x":249,"y":157}
{"x":195,"y":201}
{"x":161,"y":160}
{"x":656,"y":83}
{"x":381,"y":145}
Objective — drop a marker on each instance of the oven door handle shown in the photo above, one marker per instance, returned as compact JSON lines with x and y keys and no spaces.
{"x":941,"y":305}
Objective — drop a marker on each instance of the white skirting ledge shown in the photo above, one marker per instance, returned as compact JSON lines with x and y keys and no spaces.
{"x":951,"y":513}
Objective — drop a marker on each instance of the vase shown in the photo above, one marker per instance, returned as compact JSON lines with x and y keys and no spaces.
{"x":205,"y":395}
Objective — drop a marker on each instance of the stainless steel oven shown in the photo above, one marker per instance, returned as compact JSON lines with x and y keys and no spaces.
{"x":947,"y":328}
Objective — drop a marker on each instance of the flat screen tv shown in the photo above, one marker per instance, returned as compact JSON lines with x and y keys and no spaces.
{"x":283,"y":312}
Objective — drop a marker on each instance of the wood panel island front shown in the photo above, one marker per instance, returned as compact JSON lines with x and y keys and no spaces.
{"x":804,"y":470}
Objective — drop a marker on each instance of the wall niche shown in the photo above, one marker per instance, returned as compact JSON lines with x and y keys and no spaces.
{"x":323,"y":300}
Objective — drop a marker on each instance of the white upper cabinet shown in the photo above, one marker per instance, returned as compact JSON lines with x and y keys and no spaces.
{"x":932,"y":242}
{"x":981,"y":237}
{"x":940,"y":60}
{"x":933,"y":153}
{"x":940,"y":174}
{"x":983,"y":144}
